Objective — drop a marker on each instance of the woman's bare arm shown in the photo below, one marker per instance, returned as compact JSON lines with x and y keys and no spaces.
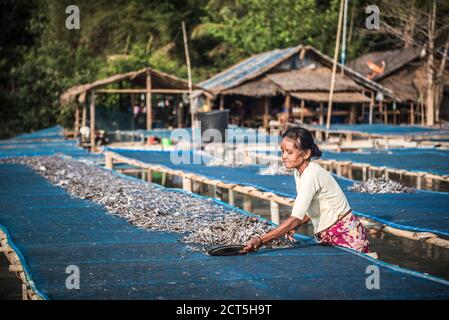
{"x":285,"y":227}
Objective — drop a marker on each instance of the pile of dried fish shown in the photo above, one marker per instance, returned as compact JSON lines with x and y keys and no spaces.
{"x":380,"y":185}
{"x":148,"y":206}
{"x":275,"y":169}
{"x":235,"y":229}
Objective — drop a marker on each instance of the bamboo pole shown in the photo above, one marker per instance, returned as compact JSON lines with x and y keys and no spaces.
{"x":334,"y":70}
{"x":189,"y":73}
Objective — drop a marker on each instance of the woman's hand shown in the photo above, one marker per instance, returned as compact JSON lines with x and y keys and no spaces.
{"x":253,"y":245}
{"x":289,"y":235}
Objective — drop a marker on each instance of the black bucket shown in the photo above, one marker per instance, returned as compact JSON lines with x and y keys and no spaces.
{"x":218,"y":119}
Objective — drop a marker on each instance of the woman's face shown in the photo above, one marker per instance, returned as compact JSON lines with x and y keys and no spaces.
{"x":292,"y":157}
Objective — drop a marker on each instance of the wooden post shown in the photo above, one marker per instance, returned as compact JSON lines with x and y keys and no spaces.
{"x":302,"y":111}
{"x":412,"y":113}
{"x":247,"y":203}
{"x":231,"y":199}
{"x":419,"y":178}
{"x":288,"y":105}
{"x":186,"y":184}
{"x":149,"y":109}
{"x":266,"y":112}
{"x":384,"y":106}
{"x":149,"y":175}
{"x":274,"y":208}
{"x":77,"y":120}
{"x":92,"y":120}
{"x":164,"y":178}
{"x":84,"y":116}
{"x":352,"y":114}
{"x":422,"y":114}
{"x":371,"y":108}
{"x":221,"y":102}
{"x":321,"y":119}
{"x":350,"y":172}
{"x":109,"y":161}
{"x":364,"y":175}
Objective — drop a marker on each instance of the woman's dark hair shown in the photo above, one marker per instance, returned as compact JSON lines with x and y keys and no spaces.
{"x":304,"y":140}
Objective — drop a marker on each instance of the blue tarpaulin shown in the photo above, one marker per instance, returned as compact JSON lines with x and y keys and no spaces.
{"x":51,"y":231}
{"x":430,"y":160}
{"x":40,"y":143}
{"x":423,"y":211}
{"x":386,"y":129}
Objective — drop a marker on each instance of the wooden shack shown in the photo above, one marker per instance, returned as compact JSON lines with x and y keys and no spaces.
{"x":293,"y":82}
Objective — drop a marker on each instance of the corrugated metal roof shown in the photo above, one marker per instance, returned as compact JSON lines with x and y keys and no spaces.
{"x":247,"y":69}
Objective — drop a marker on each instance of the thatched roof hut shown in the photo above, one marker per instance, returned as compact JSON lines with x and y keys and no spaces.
{"x":145,"y":81}
{"x":248,"y":76}
{"x":160,"y":82}
{"x":266,"y":83}
{"x":403,"y":72}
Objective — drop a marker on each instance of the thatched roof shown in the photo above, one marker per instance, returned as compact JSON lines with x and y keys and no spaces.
{"x":404,"y":73}
{"x":316,"y":79}
{"x":394,"y":60}
{"x":262,"y":87}
{"x":339,"y":97}
{"x":248,"y":69}
{"x":159,"y":80}
{"x":257,"y":66}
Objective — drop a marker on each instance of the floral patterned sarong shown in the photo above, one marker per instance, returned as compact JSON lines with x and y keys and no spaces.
{"x":347,"y":232}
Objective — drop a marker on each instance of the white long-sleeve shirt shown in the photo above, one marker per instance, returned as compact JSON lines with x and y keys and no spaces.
{"x":319,"y":196}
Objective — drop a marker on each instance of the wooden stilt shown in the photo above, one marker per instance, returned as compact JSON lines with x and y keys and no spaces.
{"x":266,"y":116}
{"x":221,"y":102}
{"x":274,"y":208}
{"x":231,"y":197}
{"x":109,"y":161}
{"x":92,"y":121}
{"x":76,"y":127}
{"x":412,"y":114}
{"x":302,"y":111}
{"x":371,"y":108}
{"x":148,"y":102}
{"x":247,"y":203}
{"x":186,"y":184}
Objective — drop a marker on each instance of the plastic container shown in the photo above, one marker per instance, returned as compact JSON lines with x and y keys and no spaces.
{"x":218,"y":119}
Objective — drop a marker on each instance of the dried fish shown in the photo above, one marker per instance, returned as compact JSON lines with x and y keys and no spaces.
{"x":380,"y":185}
{"x":202,"y":222}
